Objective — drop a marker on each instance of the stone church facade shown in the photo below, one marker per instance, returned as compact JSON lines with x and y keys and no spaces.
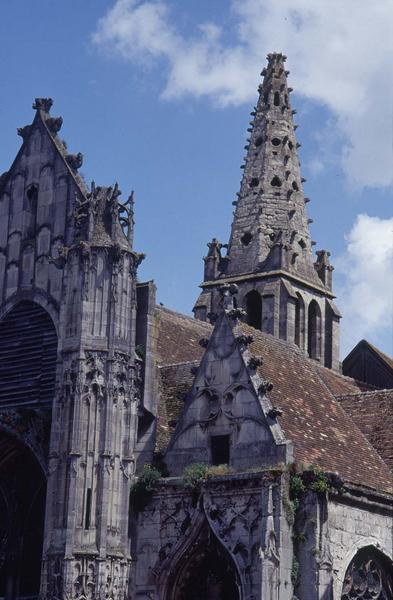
{"x":145,"y":454}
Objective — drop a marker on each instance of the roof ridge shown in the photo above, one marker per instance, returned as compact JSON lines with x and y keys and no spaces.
{"x":184,"y":316}
{"x":366,"y":393}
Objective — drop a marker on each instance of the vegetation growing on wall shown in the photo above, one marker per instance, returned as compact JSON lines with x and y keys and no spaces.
{"x":144,"y":487}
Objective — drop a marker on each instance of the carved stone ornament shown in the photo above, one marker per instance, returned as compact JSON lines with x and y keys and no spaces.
{"x":75,"y":161}
{"x":43,"y":104}
{"x":54,"y":124}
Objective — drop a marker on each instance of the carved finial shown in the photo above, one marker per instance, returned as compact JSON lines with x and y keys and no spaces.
{"x":228,"y":293}
{"x":324,"y":268}
{"x":43,"y":104}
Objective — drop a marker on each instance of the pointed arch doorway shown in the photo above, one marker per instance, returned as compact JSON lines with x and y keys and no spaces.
{"x":206,"y":572}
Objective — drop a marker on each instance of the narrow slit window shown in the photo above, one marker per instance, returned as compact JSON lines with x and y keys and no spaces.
{"x":220,"y":449}
{"x":88,"y":509}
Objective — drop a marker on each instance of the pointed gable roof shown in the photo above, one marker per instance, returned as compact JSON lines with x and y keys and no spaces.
{"x":50,"y":126}
{"x":312,"y":419}
{"x":370,"y":365}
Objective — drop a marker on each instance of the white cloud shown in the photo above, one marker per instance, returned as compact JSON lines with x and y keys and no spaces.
{"x":340,"y":53}
{"x":366,"y":298}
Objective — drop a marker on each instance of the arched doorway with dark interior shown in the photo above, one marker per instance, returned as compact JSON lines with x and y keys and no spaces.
{"x":207,"y":573}
{"x":22,"y":510}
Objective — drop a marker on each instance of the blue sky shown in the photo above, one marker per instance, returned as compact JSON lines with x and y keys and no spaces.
{"x":157,"y":96}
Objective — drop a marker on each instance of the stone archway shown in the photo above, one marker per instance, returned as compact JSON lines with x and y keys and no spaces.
{"x":22,"y":510}
{"x":369,"y":575}
{"x":206,"y":572}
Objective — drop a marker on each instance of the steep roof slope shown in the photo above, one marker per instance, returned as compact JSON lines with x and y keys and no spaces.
{"x":367,"y":363}
{"x":373,"y":414}
{"x":312,"y":419}
{"x":178,"y":337}
{"x":320,"y":429}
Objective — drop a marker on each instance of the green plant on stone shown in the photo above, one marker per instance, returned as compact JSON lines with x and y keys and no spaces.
{"x":195,"y":475}
{"x":143,"y":488}
{"x":321,"y":484}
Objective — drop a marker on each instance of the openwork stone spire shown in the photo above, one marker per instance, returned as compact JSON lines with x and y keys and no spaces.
{"x":271,"y":229}
{"x":282,"y":288}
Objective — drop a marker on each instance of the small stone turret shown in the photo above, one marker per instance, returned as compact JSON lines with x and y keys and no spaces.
{"x":270,"y":251}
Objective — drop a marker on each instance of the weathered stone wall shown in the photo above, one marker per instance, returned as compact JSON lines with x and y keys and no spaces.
{"x":367,"y":522}
{"x":243,"y":513}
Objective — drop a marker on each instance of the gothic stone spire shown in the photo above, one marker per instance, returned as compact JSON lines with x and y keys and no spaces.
{"x":283,"y":290}
{"x":271,"y":229}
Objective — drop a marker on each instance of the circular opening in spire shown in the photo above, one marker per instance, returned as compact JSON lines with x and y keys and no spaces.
{"x":276,"y":141}
{"x":259,"y":141}
{"x":254,"y":182}
{"x":276,"y":181}
{"x":246,"y":238}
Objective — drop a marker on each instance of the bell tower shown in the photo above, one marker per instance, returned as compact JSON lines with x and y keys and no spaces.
{"x":269,"y":256}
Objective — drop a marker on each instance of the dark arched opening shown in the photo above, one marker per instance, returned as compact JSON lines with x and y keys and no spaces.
{"x":208,"y":573}
{"x":299,"y":321}
{"x":369,"y":575}
{"x":28,"y":352}
{"x":22,"y":510}
{"x":254,"y":309}
{"x":314,"y":330}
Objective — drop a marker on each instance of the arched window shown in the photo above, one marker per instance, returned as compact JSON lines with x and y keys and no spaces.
{"x":254,"y":309}
{"x":314,"y":330}
{"x":369,"y":575}
{"x":299,"y":321}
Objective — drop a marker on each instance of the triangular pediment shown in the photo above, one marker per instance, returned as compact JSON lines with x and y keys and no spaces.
{"x":227,"y":404}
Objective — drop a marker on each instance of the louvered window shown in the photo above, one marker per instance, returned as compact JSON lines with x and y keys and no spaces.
{"x":28,"y":348}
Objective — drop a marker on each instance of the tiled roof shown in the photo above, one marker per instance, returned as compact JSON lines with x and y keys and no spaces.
{"x":340,"y":384}
{"x":312,"y":419}
{"x":373,"y":414}
{"x":178,"y":337}
{"x":318,"y":426}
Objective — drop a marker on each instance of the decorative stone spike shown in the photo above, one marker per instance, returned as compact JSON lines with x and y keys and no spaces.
{"x":310,"y":220}
{"x":307,"y":200}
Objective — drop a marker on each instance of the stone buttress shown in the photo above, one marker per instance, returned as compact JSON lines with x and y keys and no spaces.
{"x":66,"y":252}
